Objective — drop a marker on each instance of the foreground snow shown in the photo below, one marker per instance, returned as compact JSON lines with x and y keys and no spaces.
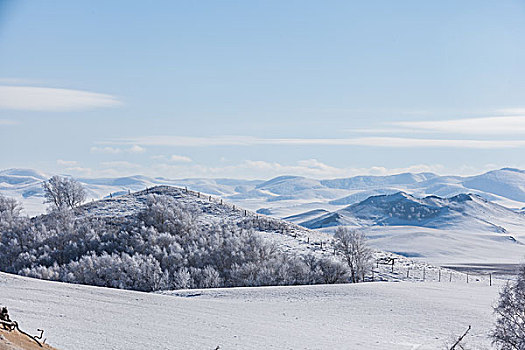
{"x":404,"y":315}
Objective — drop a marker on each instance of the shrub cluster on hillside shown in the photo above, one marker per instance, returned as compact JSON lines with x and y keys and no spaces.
{"x":161,"y":248}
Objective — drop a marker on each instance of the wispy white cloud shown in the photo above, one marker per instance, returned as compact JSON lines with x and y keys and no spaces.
{"x":68,"y":163}
{"x":135,"y":149}
{"x":504,"y":125}
{"x":120,"y":164}
{"x":181,"y":159}
{"x":32,"y":98}
{"x":159,"y":157}
{"x":83,"y":171}
{"x":398,"y":142}
{"x":259,"y":169}
{"x":105,"y":150}
{"x":187,"y":141}
{"x":510,"y":111}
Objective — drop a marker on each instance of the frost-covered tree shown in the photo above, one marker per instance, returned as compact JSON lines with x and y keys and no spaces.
{"x":63,"y":192}
{"x":9,"y":210}
{"x":509,"y":332}
{"x":329,"y":271}
{"x":16,"y":235}
{"x":351,"y":244}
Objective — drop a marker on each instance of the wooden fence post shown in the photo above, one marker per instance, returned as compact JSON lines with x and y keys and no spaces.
{"x":423,"y":273}
{"x":450,"y":280}
{"x":439,"y":278}
{"x":490,"y":279}
{"x":467,"y":277}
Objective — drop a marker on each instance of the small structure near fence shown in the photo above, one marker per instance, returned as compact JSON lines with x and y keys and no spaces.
{"x":386,"y":261}
{"x":422,"y":272}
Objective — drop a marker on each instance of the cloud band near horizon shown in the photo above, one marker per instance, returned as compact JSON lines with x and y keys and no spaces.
{"x":31,"y":98}
{"x":397,"y":142}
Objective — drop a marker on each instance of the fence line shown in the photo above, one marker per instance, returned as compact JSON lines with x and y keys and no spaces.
{"x":431,"y":274}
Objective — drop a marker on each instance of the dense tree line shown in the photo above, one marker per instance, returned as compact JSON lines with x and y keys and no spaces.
{"x":163,"y":247}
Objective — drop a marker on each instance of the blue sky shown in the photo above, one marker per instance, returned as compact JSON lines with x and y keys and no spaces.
{"x":255,"y":89}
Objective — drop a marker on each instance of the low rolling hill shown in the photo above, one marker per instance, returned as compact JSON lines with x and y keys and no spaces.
{"x":462,"y":228}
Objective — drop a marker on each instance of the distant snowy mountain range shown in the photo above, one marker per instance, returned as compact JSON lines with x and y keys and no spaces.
{"x":288,"y":195}
{"x":402,"y":209}
{"x":458,"y":229}
{"x":439,"y":218}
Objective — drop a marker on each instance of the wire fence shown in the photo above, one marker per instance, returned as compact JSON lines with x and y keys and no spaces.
{"x":428,"y":273}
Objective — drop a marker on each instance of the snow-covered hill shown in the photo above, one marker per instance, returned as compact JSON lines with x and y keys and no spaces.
{"x":462,"y":228}
{"x":399,"y":209}
{"x":214,"y":211}
{"x":120,"y":226}
{"x":288,"y":195}
{"x":386,"y":316}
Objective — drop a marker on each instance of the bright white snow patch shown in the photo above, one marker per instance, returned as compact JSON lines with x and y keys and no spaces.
{"x":377,"y":315}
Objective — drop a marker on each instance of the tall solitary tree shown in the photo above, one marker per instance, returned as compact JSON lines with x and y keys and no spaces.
{"x":352,"y":246}
{"x":63,"y":192}
{"x":509,"y":332}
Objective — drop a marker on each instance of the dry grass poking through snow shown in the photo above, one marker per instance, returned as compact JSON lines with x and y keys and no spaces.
{"x":15,"y":340}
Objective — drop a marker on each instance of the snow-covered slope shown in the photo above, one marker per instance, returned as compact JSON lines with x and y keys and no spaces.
{"x":462,"y":228}
{"x":463,"y":210}
{"x":289,"y":195}
{"x":212,"y":211}
{"x":361,"y":182}
{"x":507,"y":182}
{"x":378,"y":315}
{"x":215,"y":212}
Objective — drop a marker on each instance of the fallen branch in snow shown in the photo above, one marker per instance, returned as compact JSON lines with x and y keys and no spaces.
{"x":10,"y":325}
{"x":457,"y":343}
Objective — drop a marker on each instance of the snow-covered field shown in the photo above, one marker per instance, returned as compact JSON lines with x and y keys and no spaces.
{"x":379,"y":315}
{"x":444,"y":247}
